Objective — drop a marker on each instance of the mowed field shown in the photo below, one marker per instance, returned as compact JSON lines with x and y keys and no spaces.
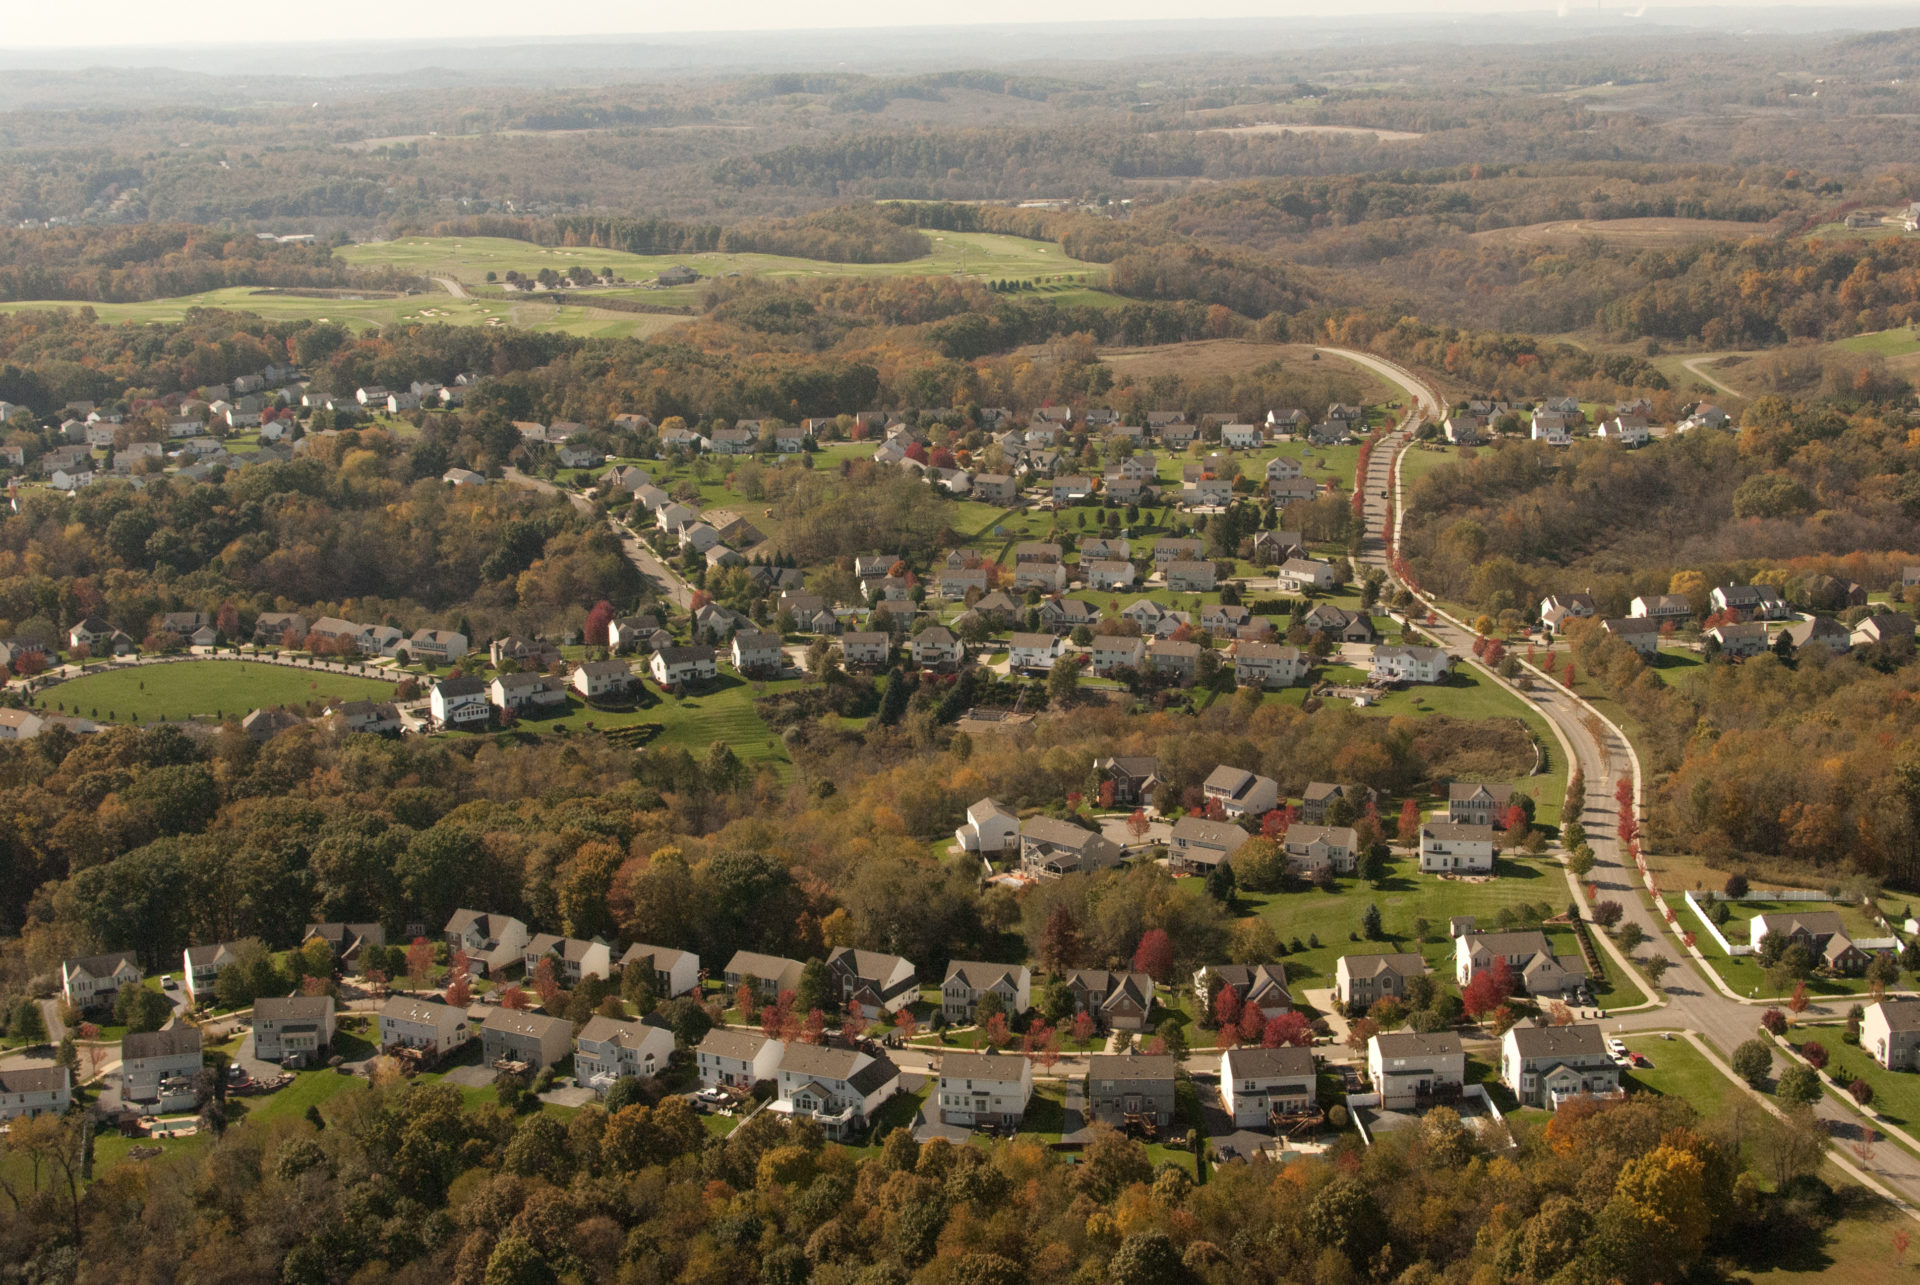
{"x":1645,"y":233}
{"x":1204,"y":357}
{"x":368,"y":313}
{"x":201,"y":689}
{"x":984,"y":256}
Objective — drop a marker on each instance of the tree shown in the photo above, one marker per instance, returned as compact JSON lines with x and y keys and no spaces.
{"x":1220,"y":884}
{"x":1753,"y":1062}
{"x":1226,"y":1007}
{"x":28,"y":1023}
{"x":854,"y":1024}
{"x":419,"y":962}
{"x":514,"y":998}
{"x":1060,"y":941}
{"x":1370,"y":923}
{"x":1288,"y":1029}
{"x":1359,"y":1032}
{"x":1138,"y":825}
{"x":1798,"y":1085}
{"x":1774,"y":1021}
{"x":1148,"y":1258}
{"x":906,"y":1024}
{"x":1631,"y":935}
{"x":1154,"y":955}
{"x":1736,"y":887}
{"x":598,"y":619}
{"x":1656,"y":967}
{"x":1409,"y":829}
{"x":141,"y":1010}
{"x":816,"y":988}
{"x":1487,"y":990}
{"x":1607,"y":913}
{"x":1083,"y":1027}
{"x":996,"y":1031}
{"x":1815,"y":1054}
{"x":459,"y":981}
{"x":546,"y":985}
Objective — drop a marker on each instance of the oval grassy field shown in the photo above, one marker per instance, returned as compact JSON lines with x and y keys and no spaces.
{"x":202,"y":689}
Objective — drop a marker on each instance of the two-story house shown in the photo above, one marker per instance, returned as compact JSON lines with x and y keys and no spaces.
{"x":1408,"y":1069}
{"x":1175,"y":657}
{"x":607,"y":1049}
{"x":1033,"y":651}
{"x":1131,"y":1090}
{"x":675,"y":972}
{"x":460,"y":702}
{"x":1748,"y":602}
{"x":967,"y":981}
{"x":201,"y":966}
{"x":1478,"y":803}
{"x":1133,"y":777}
{"x":1264,"y":664}
{"x":526,"y":693}
{"x":1259,"y":1084}
{"x":157,"y":1068}
{"x":31,"y":1091}
{"x":293,"y":1030}
{"x":425,"y":1028}
{"x":990,"y":829}
{"x":1112,"y":652}
{"x":95,"y":980}
{"x":875,"y":981}
{"x":737,"y":1058}
{"x":1117,"y":1001}
{"x":936,"y":648}
{"x":599,"y":679}
{"x":492,"y":942}
{"x":757,"y":653}
{"x":1446,"y":848}
{"x":866,"y":648}
{"x":1528,"y":956}
{"x":838,"y":1089}
{"x":1240,"y":792}
{"x":1396,"y":663}
{"x":1314,"y":850}
{"x":510,"y":1039}
{"x":573,"y":959}
{"x":1050,"y":848}
{"x":1546,"y":1065}
{"x":1890,"y":1033}
{"x":771,"y":973}
{"x":1359,"y":980}
{"x":1262,"y":985}
{"x":984,"y":1089}
{"x":678,"y":666}
{"x":1196,"y":845}
{"x":1190,"y":577}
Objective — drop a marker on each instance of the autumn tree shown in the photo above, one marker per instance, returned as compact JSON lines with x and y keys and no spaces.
{"x":1154,"y":955}
{"x":419,"y":962}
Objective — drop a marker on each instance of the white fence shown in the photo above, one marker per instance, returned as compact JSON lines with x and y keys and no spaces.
{"x":1781,"y":894}
{"x":1713,"y":929}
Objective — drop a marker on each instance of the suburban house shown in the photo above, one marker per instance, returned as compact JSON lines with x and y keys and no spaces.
{"x":1890,"y":1033}
{"x":989,"y":828}
{"x":1642,"y":633}
{"x":984,"y":1089}
{"x":772,"y":973}
{"x":1302,"y":574}
{"x":1447,"y":848}
{"x":675,"y":972}
{"x":294,"y":1030}
{"x":872,"y":980}
{"x":572,"y":958}
{"x":1749,"y":602}
{"x":1820,"y":931}
{"x":526,"y":693}
{"x":1258,"y":1084}
{"x":1133,"y":777}
{"x":1557,"y":609}
{"x":609,"y":1048}
{"x":1170,"y":656}
{"x":1190,"y":577}
{"x":1063,"y":615}
{"x":1408,"y":1069}
{"x":966,"y":982}
{"x":935,"y":647}
{"x":1821,"y":631}
{"x":1109,"y":575}
{"x":1337,"y":622}
{"x":837,"y":1088}
{"x":159,"y":1067}
{"x":1409,"y":664}
{"x":1628,"y":430}
{"x":731,"y":1057}
{"x":527,"y":653}
{"x":1117,"y":1001}
{"x":201,"y":966}
{"x":365,"y":716}
{"x":1661,"y":607}
{"x":441,"y":645}
{"x":677,"y":666}
{"x":1318,"y":797}
{"x":32,"y":1091}
{"x":1262,"y":664}
{"x":1527,"y":954}
{"x":757,"y":653}
{"x":1169,"y":551}
{"x":1747,"y":638}
{"x":1463,"y":430}
{"x":95,"y":981}
{"x":1262,"y":985}
{"x":276,"y":628}
{"x":1033,"y":651}
{"x":460,"y":702}
{"x":1243,"y":437}
{"x":995,"y":488}
{"x":1478,"y":803}
{"x":1198,"y":845}
{"x":1315,"y":849}
{"x":1550,"y":427}
{"x":1131,"y":1088}
{"x":511,"y":1039}
{"x":1546,"y":1065}
{"x":1894,"y":628}
{"x":1116,"y":651}
{"x":866,"y":648}
{"x":347,"y":940}
{"x":1359,"y":980}
{"x":491,"y":942}
{"x":1050,"y":848}
{"x":1048,"y":577}
{"x":595,"y":679}
{"x":1240,"y":792}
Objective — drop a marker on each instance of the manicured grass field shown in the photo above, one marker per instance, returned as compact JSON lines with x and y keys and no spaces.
{"x":1679,"y":1070}
{"x":1884,"y":343}
{"x":202,"y":689}
{"x":725,"y":713}
{"x":1896,"y":1094}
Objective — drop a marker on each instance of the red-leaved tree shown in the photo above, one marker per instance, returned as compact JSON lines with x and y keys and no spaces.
{"x":1288,"y":1029}
{"x":514,"y":998}
{"x":1154,"y":955}
{"x":1409,"y":823}
{"x":1082,"y":1026}
{"x":419,"y":962}
{"x":1226,"y":1007}
{"x":907,"y":1024}
{"x":1487,"y":990}
{"x":545,"y":984}
{"x":597,"y":621}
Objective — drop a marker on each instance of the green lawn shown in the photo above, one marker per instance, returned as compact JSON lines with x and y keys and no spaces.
{"x":1896,"y":1094}
{"x":1884,"y":343}
{"x":1679,"y":1070}
{"x":203,"y":689}
{"x":725,"y":713}
{"x":1746,"y":975}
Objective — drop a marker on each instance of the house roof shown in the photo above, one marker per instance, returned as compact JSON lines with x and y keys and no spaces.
{"x":1457,"y":833}
{"x":1814,"y":923}
{"x":101,"y":965}
{"x":1405,"y":965}
{"x":1466,"y":791}
{"x":36,"y":1079}
{"x":1289,"y":1063}
{"x":633,"y":1035}
{"x":424,"y":1012}
{"x":1527,"y":942}
{"x":292,"y":1008}
{"x":1899,"y":1014}
{"x":819,"y":1061}
{"x":1398,"y":1044}
{"x":1558,"y":1041}
{"x":533,"y":1025}
{"x":1211,"y":833}
{"x":171,"y":1042}
{"x":984,"y":976}
{"x":768,"y":968}
{"x":1339,"y":836}
{"x":1131,"y":1066}
{"x":731,"y":1042}
{"x":981,"y":1066}
{"x":1062,"y":834}
{"x":461,"y":686}
{"x":663,"y":958}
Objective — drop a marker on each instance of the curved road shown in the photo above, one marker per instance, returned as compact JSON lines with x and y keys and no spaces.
{"x":664,"y":578}
{"x":1605,"y":758}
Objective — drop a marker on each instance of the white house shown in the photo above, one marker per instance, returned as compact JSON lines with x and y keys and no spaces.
{"x":293,"y":1030}
{"x":1106,"y":576}
{"x":756,"y":653}
{"x":1550,"y":427}
{"x":935,"y":647}
{"x":1642,"y":633}
{"x":201,"y":966}
{"x":32,"y":1091}
{"x":1261,"y":664}
{"x":95,"y":980}
{"x":1547,"y":1065}
{"x":1116,"y":651}
{"x":1661,"y":607}
{"x":1257,"y":1084}
{"x":730,"y":1057}
{"x":984,"y":1089}
{"x":1301,"y":574}
{"x":1447,"y":848}
{"x":838,"y":1089}
{"x":157,"y":1068}
{"x":607,"y":1049}
{"x":460,"y":702}
{"x":1628,"y":430}
{"x":1240,"y":792}
{"x":1409,"y":664}
{"x":1890,"y":1033}
{"x":672,"y":666}
{"x":1034,"y":651}
{"x":966,"y":982}
{"x":675,"y":972}
{"x":1406,"y":1067}
{"x":989,"y":829}
{"x":1313,"y":849}
{"x":596,"y":678}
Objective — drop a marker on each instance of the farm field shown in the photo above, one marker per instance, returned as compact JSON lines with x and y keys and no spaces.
{"x":980,"y":255}
{"x":1204,"y":357}
{"x":369,"y":313}
{"x":1647,"y":233}
{"x":202,"y":689}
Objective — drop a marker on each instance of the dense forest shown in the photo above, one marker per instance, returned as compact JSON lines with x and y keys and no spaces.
{"x":157,"y":261}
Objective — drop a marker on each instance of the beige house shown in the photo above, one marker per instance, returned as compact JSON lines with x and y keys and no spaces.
{"x":984,"y":1089}
{"x":425,"y":1026}
{"x":1131,"y":1088}
{"x":294,"y":1031}
{"x":1890,"y":1033}
{"x":533,"y":1040}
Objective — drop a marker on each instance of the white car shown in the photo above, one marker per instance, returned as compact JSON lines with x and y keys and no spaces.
{"x":1617,"y":1047}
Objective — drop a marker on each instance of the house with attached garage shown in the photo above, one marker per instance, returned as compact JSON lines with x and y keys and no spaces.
{"x":609,"y":1048}
{"x":1890,"y":1033}
{"x":985,"y":1088}
{"x":1464,"y":430}
{"x":1478,"y":802}
{"x":995,"y":488}
{"x":1262,"y":985}
{"x":1298,"y":575}
{"x":1197,"y":845}
{"x":491,"y":942}
{"x":1892,"y":628}
{"x":1063,"y":615}
{"x":866,"y":648}
{"x":1109,"y":576}
{"x":936,"y":648}
{"x":1205,"y":491}
{"x":1527,"y":955}
{"x":1337,"y":622}
{"x":526,"y":693}
{"x":1314,"y":850}
{"x":1048,"y":577}
{"x":1243,"y":437}
{"x":441,"y":645}
{"x":1748,"y":638}
{"x":1628,"y":430}
{"x":295,"y":1031}
{"x":1117,"y":1001}
{"x":1050,"y":848}
{"x":1104,"y":549}
{"x":1408,"y":1069}
{"x":38,"y":1090}
{"x":275,"y":628}
{"x":157,"y":1068}
{"x":875,"y":981}
{"x":1359,"y":980}
{"x":677,"y":666}
{"x":347,"y":940}
{"x":201,"y":966}
{"x":1749,"y":602}
{"x":595,"y":679}
{"x":1240,"y":792}
{"x":1557,"y":609}
{"x":1262,"y":664}
{"x":1071,"y":490}
{"x":757,"y":653}
{"x":967,"y":981}
{"x":771,"y":973}
{"x":511,"y":1039}
{"x":1548,"y":1065}
{"x":1116,"y":651}
{"x":1821,"y":932}
{"x":1447,"y":848}
{"x":1258,"y":1084}
{"x":1131,"y":1088}
{"x":1133,"y":777}
{"x":1409,"y":664}
{"x":675,"y":972}
{"x":1661,"y":607}
{"x":573,"y":959}
{"x":838,"y":1089}
{"x":1190,"y":577}
{"x":730,"y":1057}
{"x":1550,"y":427}
{"x":1282,"y":468}
{"x":1033,"y":651}
{"x":1642,"y":633}
{"x":94,"y":981}
{"x":1820,"y":631}
{"x":989,"y":829}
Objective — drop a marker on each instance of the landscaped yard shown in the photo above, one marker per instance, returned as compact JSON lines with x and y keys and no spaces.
{"x":1746,"y":974}
{"x":1680,"y":1071}
{"x":1896,"y":1094}
{"x":202,"y":689}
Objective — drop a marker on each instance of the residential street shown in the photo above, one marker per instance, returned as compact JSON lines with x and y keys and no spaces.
{"x":1693,"y":1001}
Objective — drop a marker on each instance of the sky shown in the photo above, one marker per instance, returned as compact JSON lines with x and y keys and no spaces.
{"x":37,"y":24}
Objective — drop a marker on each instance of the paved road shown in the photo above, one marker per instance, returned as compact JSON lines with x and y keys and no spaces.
{"x":668,"y":584}
{"x":1605,"y":758}
{"x":453,"y":287}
